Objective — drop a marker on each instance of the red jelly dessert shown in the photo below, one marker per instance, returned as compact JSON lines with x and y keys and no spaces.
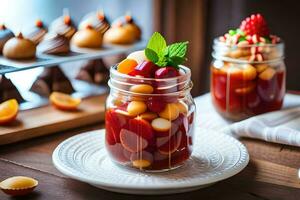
{"x":248,"y":71}
{"x":150,"y":111}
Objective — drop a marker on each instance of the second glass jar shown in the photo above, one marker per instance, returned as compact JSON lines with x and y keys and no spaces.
{"x":247,"y":80}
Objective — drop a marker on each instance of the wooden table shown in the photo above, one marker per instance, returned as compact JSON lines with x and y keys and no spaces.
{"x":271,"y":173}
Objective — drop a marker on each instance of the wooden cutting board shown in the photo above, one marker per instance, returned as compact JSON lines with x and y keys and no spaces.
{"x":46,"y":120}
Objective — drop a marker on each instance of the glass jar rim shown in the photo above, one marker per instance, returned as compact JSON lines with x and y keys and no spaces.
{"x":186,"y":76}
{"x":216,"y":41}
{"x":218,"y":44}
{"x":115,"y":72}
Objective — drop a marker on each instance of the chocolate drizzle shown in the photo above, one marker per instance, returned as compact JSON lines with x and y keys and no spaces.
{"x":123,"y":20}
{"x":97,"y":20}
{"x":94,"y":71}
{"x":36,"y":34}
{"x":63,"y":27}
{"x":54,"y":44}
{"x":8,"y":90}
{"x":50,"y":80}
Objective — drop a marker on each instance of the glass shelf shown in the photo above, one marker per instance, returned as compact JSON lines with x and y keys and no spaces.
{"x":76,"y":54}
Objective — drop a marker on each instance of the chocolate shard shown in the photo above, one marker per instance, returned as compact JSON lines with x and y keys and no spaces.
{"x":94,"y":71}
{"x":50,"y":80}
{"x":8,"y":90}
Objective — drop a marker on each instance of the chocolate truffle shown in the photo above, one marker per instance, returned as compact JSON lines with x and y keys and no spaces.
{"x":97,"y":20}
{"x":63,"y":26}
{"x":123,"y":31}
{"x":8,"y":90}
{"x":54,"y":44}
{"x":94,"y":71}
{"x":19,"y":48}
{"x":50,"y":80}
{"x":88,"y":38}
{"x":5,"y":35}
{"x":37,"y":32}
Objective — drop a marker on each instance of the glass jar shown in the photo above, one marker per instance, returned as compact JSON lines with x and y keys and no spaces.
{"x":247,"y":80}
{"x":149,"y":122}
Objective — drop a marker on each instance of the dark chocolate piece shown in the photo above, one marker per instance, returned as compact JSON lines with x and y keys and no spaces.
{"x":50,"y":80}
{"x":94,"y":71}
{"x":8,"y":90}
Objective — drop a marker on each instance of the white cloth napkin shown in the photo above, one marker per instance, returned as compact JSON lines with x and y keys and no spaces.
{"x":280,"y":126}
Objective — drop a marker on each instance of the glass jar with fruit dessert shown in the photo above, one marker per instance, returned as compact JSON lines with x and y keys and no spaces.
{"x":150,"y":111}
{"x":248,"y":71}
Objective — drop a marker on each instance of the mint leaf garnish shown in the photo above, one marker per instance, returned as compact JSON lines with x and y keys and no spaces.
{"x":268,"y":40}
{"x":239,"y":31}
{"x":162,"y":55}
{"x":177,"y":49}
{"x":151,"y":55}
{"x":242,"y":39}
{"x":162,"y":62}
{"x":157,"y":43}
{"x":232,"y":32}
{"x":176,"y":60}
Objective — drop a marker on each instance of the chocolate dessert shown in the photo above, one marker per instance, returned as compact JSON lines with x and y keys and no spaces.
{"x":19,"y":47}
{"x":5,"y":35}
{"x":128,"y":23}
{"x":50,"y":80}
{"x":8,"y":90}
{"x":54,"y":44}
{"x":96,"y":19}
{"x":36,"y":33}
{"x":63,"y":26}
{"x":87,"y":38}
{"x":94,"y":71}
{"x":124,"y":30}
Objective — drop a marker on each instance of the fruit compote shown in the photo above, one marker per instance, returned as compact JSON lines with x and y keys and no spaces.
{"x":248,"y":72}
{"x":150,"y":111}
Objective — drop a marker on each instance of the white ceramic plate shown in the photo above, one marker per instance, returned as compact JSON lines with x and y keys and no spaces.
{"x":216,"y":156}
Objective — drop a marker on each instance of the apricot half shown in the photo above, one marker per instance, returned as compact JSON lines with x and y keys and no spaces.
{"x":170,"y":112}
{"x":64,"y":101}
{"x":127,"y":66}
{"x":8,"y":111}
{"x":267,"y":74}
{"x":245,"y":72}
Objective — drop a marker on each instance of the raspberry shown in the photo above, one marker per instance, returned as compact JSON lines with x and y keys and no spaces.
{"x":255,"y":25}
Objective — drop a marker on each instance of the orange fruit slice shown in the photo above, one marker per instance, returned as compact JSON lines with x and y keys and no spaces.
{"x":64,"y":101}
{"x":8,"y":111}
{"x":127,"y":66}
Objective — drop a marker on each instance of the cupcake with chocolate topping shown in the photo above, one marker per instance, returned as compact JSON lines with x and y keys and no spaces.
{"x":8,"y":90}
{"x":19,"y":48}
{"x":54,"y":43}
{"x":94,"y":71}
{"x":37,"y":32}
{"x":97,"y":20}
{"x":52,"y":79}
{"x":5,"y":35}
{"x":63,"y":26}
{"x":123,"y":31}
